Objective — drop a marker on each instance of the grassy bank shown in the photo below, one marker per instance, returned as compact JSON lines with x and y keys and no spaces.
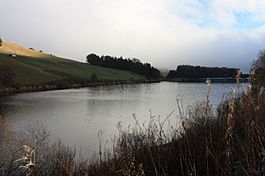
{"x":30,"y":67}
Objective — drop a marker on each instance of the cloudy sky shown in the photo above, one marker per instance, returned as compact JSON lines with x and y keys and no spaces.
{"x":163,"y":32}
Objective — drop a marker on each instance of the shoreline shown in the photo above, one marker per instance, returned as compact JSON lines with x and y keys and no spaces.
{"x":67,"y":84}
{"x":64,"y":84}
{"x":203,"y":80}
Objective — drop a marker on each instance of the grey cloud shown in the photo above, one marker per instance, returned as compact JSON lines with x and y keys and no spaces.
{"x":148,"y":30}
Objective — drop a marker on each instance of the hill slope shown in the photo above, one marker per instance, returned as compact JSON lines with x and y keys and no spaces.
{"x":32,"y":67}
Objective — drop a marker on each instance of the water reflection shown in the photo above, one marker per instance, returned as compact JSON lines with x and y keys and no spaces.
{"x":76,"y":115}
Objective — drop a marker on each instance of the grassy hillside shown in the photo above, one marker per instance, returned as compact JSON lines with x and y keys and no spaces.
{"x":34,"y":67}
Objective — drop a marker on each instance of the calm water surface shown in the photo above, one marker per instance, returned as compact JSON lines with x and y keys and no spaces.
{"x":76,"y":115}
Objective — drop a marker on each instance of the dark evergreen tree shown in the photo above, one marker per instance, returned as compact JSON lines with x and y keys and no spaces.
{"x":93,"y":59}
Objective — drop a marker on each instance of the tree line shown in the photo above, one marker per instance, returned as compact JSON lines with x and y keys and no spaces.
{"x":188,"y":71}
{"x":133,"y":65}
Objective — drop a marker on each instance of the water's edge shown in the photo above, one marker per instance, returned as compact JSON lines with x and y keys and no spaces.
{"x":66,"y":85}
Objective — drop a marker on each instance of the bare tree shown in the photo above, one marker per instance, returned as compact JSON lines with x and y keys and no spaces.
{"x":259,"y":62}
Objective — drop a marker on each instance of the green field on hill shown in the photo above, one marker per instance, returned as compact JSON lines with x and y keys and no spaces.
{"x":35,"y":67}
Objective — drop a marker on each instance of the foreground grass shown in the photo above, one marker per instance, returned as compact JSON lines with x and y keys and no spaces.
{"x":229,"y":142}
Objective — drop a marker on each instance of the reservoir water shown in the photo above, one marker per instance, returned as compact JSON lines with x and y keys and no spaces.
{"x":77,"y":115}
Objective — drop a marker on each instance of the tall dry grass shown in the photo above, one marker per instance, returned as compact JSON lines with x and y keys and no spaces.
{"x":230,"y":142}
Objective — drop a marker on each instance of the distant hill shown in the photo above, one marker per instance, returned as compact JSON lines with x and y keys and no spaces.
{"x":31,"y":67}
{"x":10,"y":48}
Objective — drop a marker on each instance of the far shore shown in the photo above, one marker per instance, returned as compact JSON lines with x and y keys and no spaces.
{"x":203,"y":80}
{"x":64,"y":84}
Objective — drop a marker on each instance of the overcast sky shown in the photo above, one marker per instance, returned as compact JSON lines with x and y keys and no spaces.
{"x":163,"y":32}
